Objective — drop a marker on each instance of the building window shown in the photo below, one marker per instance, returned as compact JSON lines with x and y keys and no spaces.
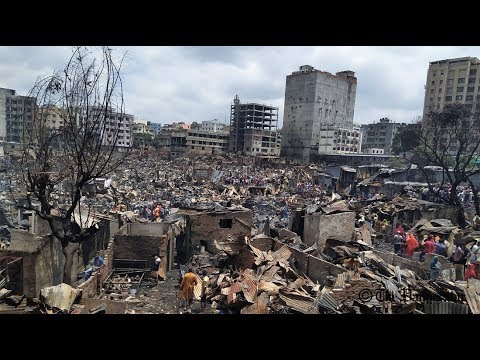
{"x":431,"y":99}
{"x":461,"y":80}
{"x":469,"y":98}
{"x":459,"y":89}
{"x":433,"y":82}
{"x":439,"y":98}
{"x":471,"y":81}
{"x":449,"y":90}
{"x":473,"y":72}
{"x":459,"y":98}
{"x":431,"y":91}
{"x":449,"y":81}
{"x":226,"y":223}
{"x":471,"y":89}
{"x":440,"y":90}
{"x":441,"y":82}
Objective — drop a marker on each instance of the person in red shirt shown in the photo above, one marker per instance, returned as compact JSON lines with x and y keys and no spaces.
{"x":470,"y":273}
{"x":428,"y":247}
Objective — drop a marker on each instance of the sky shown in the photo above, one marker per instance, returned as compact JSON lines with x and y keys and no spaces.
{"x":169,"y":84}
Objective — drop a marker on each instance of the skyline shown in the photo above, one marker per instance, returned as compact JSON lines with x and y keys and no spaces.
{"x":166,"y":84}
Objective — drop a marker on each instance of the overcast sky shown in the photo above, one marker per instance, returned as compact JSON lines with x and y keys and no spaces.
{"x":167,"y":84}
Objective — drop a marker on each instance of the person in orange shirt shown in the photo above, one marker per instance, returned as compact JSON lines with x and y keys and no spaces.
{"x":186,"y":287}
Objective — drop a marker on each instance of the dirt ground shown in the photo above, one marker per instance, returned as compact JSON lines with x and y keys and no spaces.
{"x":163,"y":298}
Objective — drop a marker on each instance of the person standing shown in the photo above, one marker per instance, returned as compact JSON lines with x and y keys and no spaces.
{"x":428,"y":247}
{"x":459,"y":259}
{"x":398,"y":241}
{"x":435,"y":267}
{"x":203,"y":297}
{"x":186,"y":287}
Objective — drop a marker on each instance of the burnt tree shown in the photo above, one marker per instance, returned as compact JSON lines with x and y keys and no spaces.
{"x":450,"y":140}
{"x":68,"y":141}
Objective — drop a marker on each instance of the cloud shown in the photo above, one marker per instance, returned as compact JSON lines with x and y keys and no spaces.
{"x":166,"y":84}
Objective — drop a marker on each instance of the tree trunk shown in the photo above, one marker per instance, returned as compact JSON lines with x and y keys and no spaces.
{"x":462,"y":222}
{"x":69,"y":251}
{"x":476,"y":200}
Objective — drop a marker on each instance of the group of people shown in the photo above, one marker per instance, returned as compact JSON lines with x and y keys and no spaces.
{"x":155,"y":214}
{"x":463,"y":258}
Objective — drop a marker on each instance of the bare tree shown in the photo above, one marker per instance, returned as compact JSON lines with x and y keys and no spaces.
{"x":60,"y":158}
{"x":449,"y":139}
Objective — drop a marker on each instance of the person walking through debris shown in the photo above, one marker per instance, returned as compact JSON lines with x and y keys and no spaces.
{"x":428,"y":248}
{"x":441,"y":248}
{"x":203,"y":297}
{"x":435,"y":267}
{"x":411,"y":244}
{"x":156,"y":267}
{"x":459,"y":259}
{"x":186,"y":287}
{"x":398,"y":241}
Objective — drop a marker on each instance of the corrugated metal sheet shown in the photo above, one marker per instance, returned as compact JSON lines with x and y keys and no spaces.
{"x":341,"y":279}
{"x":398,"y":274}
{"x":268,"y":275}
{"x":269,"y":287}
{"x":282,"y":254}
{"x":259,"y":307}
{"x":444,"y":307}
{"x":472,"y":300}
{"x":225,"y":290}
{"x":297,"y":302}
{"x":250,"y":288}
{"x":235,"y":288}
{"x":326,"y":301}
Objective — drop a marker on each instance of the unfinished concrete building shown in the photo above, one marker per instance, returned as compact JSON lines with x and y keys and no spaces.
{"x":315,"y":98}
{"x":183,"y":143}
{"x":253,"y":129}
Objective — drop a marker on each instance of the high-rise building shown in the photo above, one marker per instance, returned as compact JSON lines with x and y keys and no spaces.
{"x":315,"y":99}
{"x":450,"y":81}
{"x":380,"y":135}
{"x":15,"y":112}
{"x":113,"y":128}
{"x":253,"y":129}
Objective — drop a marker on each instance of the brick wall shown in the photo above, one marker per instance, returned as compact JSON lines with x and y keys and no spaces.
{"x":207,"y":226}
{"x":93,"y":284}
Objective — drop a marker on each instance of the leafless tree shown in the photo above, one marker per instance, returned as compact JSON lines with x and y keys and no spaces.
{"x":60,"y":158}
{"x":449,"y":139}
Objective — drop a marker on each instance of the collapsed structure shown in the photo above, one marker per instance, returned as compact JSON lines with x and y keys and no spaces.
{"x":273,"y":239}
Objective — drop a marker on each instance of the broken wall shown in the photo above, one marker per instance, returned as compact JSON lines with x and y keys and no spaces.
{"x":316,"y":269}
{"x":43,"y":262}
{"x":213,"y":226}
{"x":320,"y":227}
{"x":92,"y":286}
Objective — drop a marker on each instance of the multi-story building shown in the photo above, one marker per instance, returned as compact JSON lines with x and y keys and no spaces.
{"x":113,"y":128}
{"x":15,"y":112}
{"x":335,"y":140}
{"x":141,"y":127}
{"x":213,"y":126}
{"x":450,"y":81}
{"x":156,"y":127}
{"x":193,"y":142}
{"x":54,"y":117}
{"x":253,"y":129}
{"x":380,"y":135}
{"x":315,"y":98}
